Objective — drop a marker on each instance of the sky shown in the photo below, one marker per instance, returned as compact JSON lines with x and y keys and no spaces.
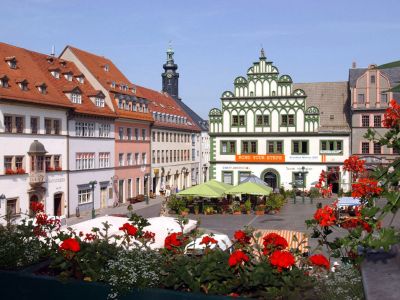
{"x":214,"y":40}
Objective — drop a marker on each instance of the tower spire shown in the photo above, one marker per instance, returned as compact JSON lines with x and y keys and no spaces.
{"x":170,"y":53}
{"x":170,"y":76}
{"x":262,"y":54}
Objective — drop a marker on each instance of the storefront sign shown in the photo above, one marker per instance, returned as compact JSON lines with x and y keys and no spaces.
{"x":255,"y":158}
{"x":303,"y":158}
{"x":235,"y":168}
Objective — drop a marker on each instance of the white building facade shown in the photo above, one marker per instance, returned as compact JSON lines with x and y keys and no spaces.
{"x":265,"y":128}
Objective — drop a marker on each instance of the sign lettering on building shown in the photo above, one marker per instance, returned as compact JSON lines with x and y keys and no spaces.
{"x":265,"y":158}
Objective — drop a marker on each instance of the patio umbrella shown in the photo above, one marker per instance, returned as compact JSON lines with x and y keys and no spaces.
{"x":203,"y":190}
{"x":218,"y":184}
{"x":255,"y":179}
{"x":250,"y":188}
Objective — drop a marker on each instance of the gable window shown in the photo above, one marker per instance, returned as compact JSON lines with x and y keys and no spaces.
{"x":99,"y":102}
{"x":275,"y":147}
{"x":299,"y":147}
{"x":287,"y":120}
{"x":372,"y":79}
{"x":360,"y":98}
{"x":76,"y":98}
{"x":228,"y":147}
{"x":262,"y":120}
{"x":365,"y":120}
{"x":331,"y":147}
{"x":249,"y":147}
{"x":384,"y":98}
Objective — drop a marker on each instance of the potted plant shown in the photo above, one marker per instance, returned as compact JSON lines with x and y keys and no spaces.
{"x":260,"y":209}
{"x":235,"y":208}
{"x":208,"y":210}
{"x":196,"y":209}
{"x":247,"y":206}
{"x":184,"y":212}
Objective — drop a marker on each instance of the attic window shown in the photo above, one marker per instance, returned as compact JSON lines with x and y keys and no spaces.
{"x":55,"y":74}
{"x":68,"y":76}
{"x":42,"y":88}
{"x":80,"y":79}
{"x":76,"y":98}
{"x":12,"y":62}
{"x":23,"y":84}
{"x":4,"y":82}
{"x":113,"y":84}
{"x":99,"y":102}
{"x":106,"y":68}
{"x":134,"y":90}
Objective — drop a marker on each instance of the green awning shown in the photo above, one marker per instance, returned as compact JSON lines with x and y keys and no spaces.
{"x":202,"y":190}
{"x":219,"y":185}
{"x":250,"y":188}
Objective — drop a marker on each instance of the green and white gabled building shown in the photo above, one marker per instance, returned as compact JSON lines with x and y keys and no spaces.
{"x":269,"y":127}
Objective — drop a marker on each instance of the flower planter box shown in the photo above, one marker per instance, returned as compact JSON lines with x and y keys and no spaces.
{"x":259,"y":212}
{"x":24,"y":285}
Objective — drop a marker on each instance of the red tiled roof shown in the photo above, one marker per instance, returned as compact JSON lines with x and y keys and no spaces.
{"x":34,"y":67}
{"x":164,"y":103}
{"x":95,"y":64}
{"x":26,"y":69}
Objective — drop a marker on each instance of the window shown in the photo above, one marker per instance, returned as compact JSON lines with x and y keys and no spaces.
{"x":19,"y":124}
{"x":144,"y":135}
{"x":377,"y":148}
{"x":47,"y":126}
{"x":104,"y":130}
{"x":365,"y":147}
{"x":12,"y":206}
{"x":384,"y":98}
{"x":287,"y":120}
{"x":365,"y":120}
{"x":99,"y":102}
{"x":121,"y":133}
{"x":80,"y":79}
{"x":34,"y":125}
{"x":4,"y":82}
{"x":121,"y":159}
{"x":55,"y":74}
{"x":227,"y":177}
{"x":57,"y":162}
{"x":84,"y":161}
{"x":84,"y":129}
{"x":162,"y":156}
{"x":262,"y":120}
{"x":84,"y":196}
{"x":238,"y":121}
{"x":19,"y":164}
{"x":299,"y":147}
{"x":228,"y":147}
{"x":275,"y":147}
{"x":136,"y":134}
{"x":193,"y":154}
{"x":8,"y":164}
{"x":129,"y":133}
{"x":144,"y":157}
{"x":395,"y":150}
{"x":137,"y":161}
{"x":377,"y":121}
{"x":8,"y":123}
{"x":249,"y":147}
{"x":76,"y":98}
{"x":154,"y":136}
{"x":153,"y":157}
{"x":23,"y":85}
{"x":372,"y":79}
{"x":56,"y":126}
{"x":158,"y":136}
{"x":104,"y":159}
{"x":360,"y":98}
{"x":49,"y":168}
{"x":331,"y":147}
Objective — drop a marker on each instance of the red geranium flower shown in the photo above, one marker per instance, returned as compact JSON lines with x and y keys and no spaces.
{"x":237,"y":257}
{"x":148,"y":235}
{"x":206,"y":240}
{"x":320,"y":261}
{"x":365,"y":188}
{"x":391,"y":118}
{"x":37,"y":207}
{"x":70,"y":244}
{"x":129,"y":229}
{"x":282,"y":259}
{"x":273,"y":241}
{"x":241,"y":237}
{"x":325,"y":216}
{"x":173,"y":241}
{"x":354,"y":164}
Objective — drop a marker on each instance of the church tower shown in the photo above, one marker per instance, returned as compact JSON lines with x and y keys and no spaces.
{"x":170,"y":76}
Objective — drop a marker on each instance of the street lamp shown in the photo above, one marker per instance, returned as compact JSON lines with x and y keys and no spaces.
{"x":303,"y":176}
{"x":146,"y":177}
{"x":92,"y":186}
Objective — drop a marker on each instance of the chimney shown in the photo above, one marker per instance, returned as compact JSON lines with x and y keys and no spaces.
{"x":353,"y":65}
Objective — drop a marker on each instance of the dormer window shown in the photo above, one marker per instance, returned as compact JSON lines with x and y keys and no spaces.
{"x":55,"y":74}
{"x":76,"y":98}
{"x":106,"y":68}
{"x":23,"y":84}
{"x":113,"y":84}
{"x":68,"y":76}
{"x":134,"y":90}
{"x":4,"y":81}
{"x":99,"y":102}
{"x":120,"y":104}
{"x":80,"y":79}
{"x":11,"y":61}
{"x":42,"y":87}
